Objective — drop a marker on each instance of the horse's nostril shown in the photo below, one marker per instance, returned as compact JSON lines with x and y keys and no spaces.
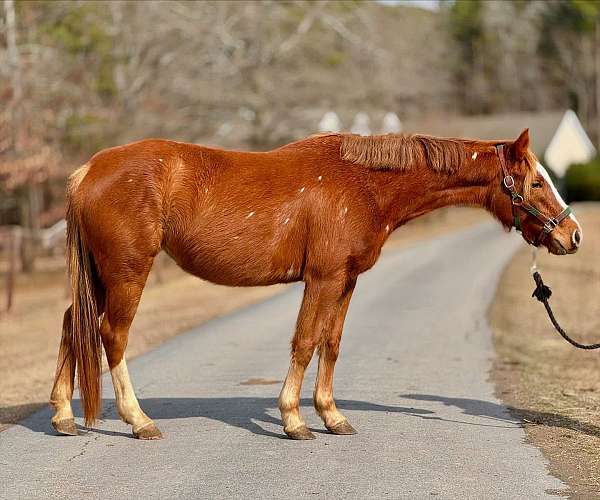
{"x":576,"y":237}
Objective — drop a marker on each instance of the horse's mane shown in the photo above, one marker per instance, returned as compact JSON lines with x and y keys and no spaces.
{"x":403,"y":152}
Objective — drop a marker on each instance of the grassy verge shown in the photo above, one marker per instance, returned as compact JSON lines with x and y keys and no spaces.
{"x":553,"y":387}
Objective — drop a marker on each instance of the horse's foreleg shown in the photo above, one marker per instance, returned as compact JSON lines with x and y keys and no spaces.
{"x":62,"y":391}
{"x":122,"y":302}
{"x":328,"y":354}
{"x":315,"y":318}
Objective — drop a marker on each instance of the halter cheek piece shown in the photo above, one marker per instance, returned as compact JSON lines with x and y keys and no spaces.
{"x":519,"y":203}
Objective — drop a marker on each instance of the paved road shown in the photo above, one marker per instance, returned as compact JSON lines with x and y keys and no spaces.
{"x":413,"y":378}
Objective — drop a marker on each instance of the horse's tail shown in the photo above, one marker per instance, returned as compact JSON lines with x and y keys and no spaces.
{"x":84,"y":331}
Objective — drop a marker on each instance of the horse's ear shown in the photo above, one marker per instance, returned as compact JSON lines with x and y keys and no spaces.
{"x":521,"y":145}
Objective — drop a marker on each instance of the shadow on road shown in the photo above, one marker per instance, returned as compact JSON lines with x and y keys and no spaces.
{"x":251,"y":412}
{"x":498,"y":412}
{"x":243,"y":412}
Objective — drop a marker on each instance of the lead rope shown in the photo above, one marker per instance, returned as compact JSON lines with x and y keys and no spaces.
{"x":542,"y":292}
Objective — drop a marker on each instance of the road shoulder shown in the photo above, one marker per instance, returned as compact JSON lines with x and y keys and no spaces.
{"x":553,"y":388}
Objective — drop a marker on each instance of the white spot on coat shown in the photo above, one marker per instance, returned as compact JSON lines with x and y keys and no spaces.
{"x":160,"y":160}
{"x":345,"y":210}
{"x":290,"y":272}
{"x":249,"y":215}
{"x":286,"y":220}
{"x":129,"y":180}
{"x":320,"y":178}
{"x":387,"y":228}
{"x":474,"y":155}
{"x":302,"y":190}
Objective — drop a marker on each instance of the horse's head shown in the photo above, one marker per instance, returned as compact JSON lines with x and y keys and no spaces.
{"x":530,"y":202}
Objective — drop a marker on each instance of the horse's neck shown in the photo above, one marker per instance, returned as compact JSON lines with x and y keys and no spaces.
{"x":405,"y":196}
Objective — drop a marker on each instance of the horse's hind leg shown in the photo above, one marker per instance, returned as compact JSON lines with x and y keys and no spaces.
{"x":122,"y":299}
{"x":62,"y":391}
{"x":328,"y":353}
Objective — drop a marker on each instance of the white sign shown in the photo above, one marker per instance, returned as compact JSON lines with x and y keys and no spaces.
{"x":330,"y":122}
{"x":361,"y":124}
{"x":391,"y":124}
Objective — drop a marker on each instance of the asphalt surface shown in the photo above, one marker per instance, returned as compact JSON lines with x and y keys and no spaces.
{"x":413,"y":379}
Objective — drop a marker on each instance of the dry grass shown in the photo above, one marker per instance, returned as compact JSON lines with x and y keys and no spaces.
{"x":554,"y":387}
{"x":30,"y":335}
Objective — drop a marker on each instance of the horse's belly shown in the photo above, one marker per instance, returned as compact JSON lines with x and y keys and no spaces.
{"x":249,"y":258}
{"x":236,"y":267}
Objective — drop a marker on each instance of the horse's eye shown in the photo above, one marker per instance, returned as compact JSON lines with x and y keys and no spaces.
{"x":536,"y":184}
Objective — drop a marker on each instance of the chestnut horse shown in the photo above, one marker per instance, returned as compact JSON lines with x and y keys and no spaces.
{"x":317,"y":210}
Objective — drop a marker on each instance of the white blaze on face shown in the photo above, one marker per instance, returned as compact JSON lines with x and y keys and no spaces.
{"x":544,"y":173}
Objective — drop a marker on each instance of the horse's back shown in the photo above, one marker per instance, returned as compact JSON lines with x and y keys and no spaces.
{"x":231,"y":217}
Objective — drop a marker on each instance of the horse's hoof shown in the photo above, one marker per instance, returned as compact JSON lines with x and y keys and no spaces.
{"x":301,"y":434}
{"x":342,"y":429}
{"x":65,"y":426}
{"x":148,"y":432}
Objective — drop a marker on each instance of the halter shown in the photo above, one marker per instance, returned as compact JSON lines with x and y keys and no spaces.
{"x":549,"y":224}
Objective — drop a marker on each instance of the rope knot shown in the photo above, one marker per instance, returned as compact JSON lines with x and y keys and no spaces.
{"x":541,"y":292}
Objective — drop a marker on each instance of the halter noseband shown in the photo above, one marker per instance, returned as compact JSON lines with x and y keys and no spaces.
{"x":518,"y":202}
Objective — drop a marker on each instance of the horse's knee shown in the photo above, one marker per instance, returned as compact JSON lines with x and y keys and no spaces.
{"x":330,"y":348}
{"x":302,"y":351}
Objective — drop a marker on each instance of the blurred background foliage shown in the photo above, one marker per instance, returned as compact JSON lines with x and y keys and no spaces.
{"x":79,"y":76}
{"x":582,"y":182}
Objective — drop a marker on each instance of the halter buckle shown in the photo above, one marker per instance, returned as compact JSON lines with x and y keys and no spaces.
{"x":509,"y":182}
{"x":517,"y":199}
{"x":550,"y":225}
